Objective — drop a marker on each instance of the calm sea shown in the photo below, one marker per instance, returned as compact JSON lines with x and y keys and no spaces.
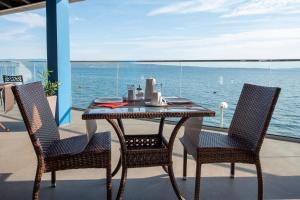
{"x":208,"y":84}
{"x":204,"y":85}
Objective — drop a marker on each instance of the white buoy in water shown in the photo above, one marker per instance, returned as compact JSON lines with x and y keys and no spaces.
{"x":221,"y":80}
{"x":223,"y":105}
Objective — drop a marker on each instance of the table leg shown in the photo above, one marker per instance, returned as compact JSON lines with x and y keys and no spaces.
{"x":122,"y":182}
{"x":120,"y":134}
{"x":161,"y":126}
{"x":160,"y":133}
{"x":170,"y":147}
{"x":120,"y":123}
{"x":116,"y":170}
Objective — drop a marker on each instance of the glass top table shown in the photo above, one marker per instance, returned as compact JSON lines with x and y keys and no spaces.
{"x":143,"y":110}
{"x":146,"y":150}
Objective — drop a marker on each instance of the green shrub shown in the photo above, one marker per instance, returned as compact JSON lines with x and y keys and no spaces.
{"x":50,"y":87}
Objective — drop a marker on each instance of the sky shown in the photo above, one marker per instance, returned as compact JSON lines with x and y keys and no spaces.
{"x":161,"y":30}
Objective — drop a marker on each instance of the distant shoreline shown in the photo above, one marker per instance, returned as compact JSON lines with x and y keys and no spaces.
{"x":166,"y":61}
{"x":262,"y":64}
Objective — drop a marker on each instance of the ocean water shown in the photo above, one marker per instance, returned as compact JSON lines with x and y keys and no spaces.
{"x":208,"y":84}
{"x":204,"y":85}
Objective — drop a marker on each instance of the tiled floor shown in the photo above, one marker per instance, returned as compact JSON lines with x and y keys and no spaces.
{"x":280,"y":163}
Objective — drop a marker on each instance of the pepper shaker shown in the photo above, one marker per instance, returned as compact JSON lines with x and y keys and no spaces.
{"x":139,"y":93}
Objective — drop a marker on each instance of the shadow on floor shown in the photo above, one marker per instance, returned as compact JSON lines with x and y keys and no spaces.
{"x":17,"y":126}
{"x":157,"y":187}
{"x":11,"y":117}
{"x":71,"y":131}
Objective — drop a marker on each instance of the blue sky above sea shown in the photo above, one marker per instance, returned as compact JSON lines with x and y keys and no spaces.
{"x":169,"y":29}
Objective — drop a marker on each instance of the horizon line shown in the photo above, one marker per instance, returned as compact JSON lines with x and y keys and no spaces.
{"x":173,"y":60}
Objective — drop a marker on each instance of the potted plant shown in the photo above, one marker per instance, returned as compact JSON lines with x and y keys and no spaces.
{"x":50,"y":88}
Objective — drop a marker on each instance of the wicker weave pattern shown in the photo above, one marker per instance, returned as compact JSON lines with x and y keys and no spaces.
{"x":246,"y":134}
{"x":38,"y":118}
{"x":215,"y":140}
{"x":141,"y":110}
{"x":216,"y":147}
{"x":148,"y":115}
{"x":74,"y":145}
{"x":143,"y":141}
{"x":96,"y":155}
{"x":52,"y":153}
{"x":67,"y":146}
{"x":250,"y":118}
{"x":146,"y":151}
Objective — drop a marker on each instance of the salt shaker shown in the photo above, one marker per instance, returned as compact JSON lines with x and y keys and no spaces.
{"x":131,"y":92}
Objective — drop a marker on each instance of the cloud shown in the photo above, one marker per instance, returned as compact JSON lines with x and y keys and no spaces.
{"x":11,"y":34}
{"x":31,"y":20}
{"x":258,"y":7}
{"x":22,"y":30}
{"x":192,"y":6}
{"x":74,"y":19}
{"x":17,"y":42}
{"x":239,"y":38}
{"x":16,"y":34}
{"x":231,"y":8}
{"x":18,"y":39}
{"x":257,"y":44}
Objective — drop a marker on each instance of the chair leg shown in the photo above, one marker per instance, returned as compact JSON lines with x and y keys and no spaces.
{"x":259,"y":180}
{"x":232,"y":169}
{"x":108,"y":182}
{"x":184,"y":164}
{"x":197,"y":181}
{"x":53,"y":179}
{"x":37,"y":182}
{"x":1,"y":97}
{"x":122,"y":182}
{"x":165,"y":168}
{"x":4,"y":127}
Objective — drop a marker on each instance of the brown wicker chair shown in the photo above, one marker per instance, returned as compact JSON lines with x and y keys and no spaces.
{"x":53,"y":153}
{"x":245,"y":136}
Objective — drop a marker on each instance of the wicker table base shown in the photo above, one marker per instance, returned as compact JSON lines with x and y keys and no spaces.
{"x":146,"y":151}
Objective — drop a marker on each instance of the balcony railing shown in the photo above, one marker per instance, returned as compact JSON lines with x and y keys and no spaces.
{"x":207,"y":82}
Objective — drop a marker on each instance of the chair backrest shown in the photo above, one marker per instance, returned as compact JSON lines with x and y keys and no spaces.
{"x":253,"y":114}
{"x":37,"y":115}
{"x":12,"y":79}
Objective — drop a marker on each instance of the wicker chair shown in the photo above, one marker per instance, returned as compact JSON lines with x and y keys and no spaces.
{"x":13,"y":79}
{"x":245,"y":136}
{"x":17,"y":80}
{"x":53,"y":153}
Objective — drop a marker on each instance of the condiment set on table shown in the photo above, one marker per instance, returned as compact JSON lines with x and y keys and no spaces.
{"x":152,"y":96}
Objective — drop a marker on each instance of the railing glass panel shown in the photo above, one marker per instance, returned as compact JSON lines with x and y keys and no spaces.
{"x":206,"y":83}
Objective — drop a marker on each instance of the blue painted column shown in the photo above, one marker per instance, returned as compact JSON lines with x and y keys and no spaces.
{"x":58,"y":55}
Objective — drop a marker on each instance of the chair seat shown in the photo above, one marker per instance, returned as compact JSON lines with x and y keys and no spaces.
{"x":73,"y":152}
{"x":217,"y":140}
{"x":216,"y":147}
